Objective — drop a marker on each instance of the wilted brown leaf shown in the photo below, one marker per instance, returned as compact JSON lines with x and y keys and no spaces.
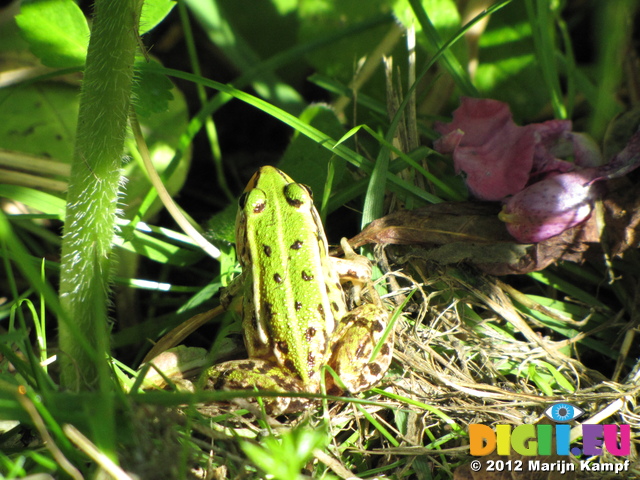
{"x":471,"y":232}
{"x":622,"y":214}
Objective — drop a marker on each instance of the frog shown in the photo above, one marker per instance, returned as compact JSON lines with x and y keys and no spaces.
{"x":296,"y":321}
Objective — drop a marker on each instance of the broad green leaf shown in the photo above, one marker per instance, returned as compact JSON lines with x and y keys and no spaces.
{"x":39,"y":119}
{"x":153,"y":12}
{"x":221,"y":226}
{"x":339,"y":59}
{"x":152,"y":93}
{"x":13,"y":46}
{"x":285,"y":6}
{"x":56,"y":30}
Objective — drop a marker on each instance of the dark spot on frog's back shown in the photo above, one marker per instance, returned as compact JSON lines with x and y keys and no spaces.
{"x":377,"y":326}
{"x":268,"y":310}
{"x":297,"y":404}
{"x":310,"y":333}
{"x":362,"y":323}
{"x":267,"y":250}
{"x":298,"y":306}
{"x":311,"y":360}
{"x":289,"y":365}
{"x":321,"y":310}
{"x":334,"y":306}
{"x":385,"y":350}
{"x":277,"y":278}
{"x":297,"y":245}
{"x":306,"y":277}
{"x":283,"y":347}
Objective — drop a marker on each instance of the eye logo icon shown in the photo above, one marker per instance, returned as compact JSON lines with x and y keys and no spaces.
{"x":563,"y":412}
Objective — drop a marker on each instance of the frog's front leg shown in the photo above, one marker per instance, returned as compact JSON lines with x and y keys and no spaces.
{"x":234,"y":292}
{"x":257,"y":374}
{"x":352,"y":344}
{"x":354,"y":270}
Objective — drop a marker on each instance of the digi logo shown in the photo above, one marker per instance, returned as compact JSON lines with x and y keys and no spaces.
{"x":563,"y":412}
{"x":539,"y":439}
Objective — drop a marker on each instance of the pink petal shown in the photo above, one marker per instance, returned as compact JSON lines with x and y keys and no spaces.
{"x":550,"y":206}
{"x":551,"y":144}
{"x":495,"y":154}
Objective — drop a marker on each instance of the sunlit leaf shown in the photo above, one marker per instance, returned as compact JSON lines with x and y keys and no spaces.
{"x":40,"y":119}
{"x":153,"y":12}
{"x":56,"y":30}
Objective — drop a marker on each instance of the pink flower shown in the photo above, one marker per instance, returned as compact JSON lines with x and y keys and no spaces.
{"x":549,"y":207}
{"x":499,"y":157}
{"x":494,"y":152}
{"x":527,"y":168}
{"x":558,"y":202}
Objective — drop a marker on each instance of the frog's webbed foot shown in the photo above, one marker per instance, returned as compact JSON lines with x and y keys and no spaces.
{"x":232,"y":293}
{"x":355,"y":276}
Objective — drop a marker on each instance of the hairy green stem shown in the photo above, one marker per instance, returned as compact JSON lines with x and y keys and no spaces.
{"x":93,"y":193}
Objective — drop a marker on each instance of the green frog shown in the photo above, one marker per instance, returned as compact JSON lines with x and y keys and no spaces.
{"x":295,"y":316}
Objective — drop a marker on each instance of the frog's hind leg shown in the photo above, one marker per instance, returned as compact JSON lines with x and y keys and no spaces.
{"x":352,"y":346}
{"x":256,"y":374}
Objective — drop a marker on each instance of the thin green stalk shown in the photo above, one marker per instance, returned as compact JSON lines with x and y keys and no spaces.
{"x":570,"y":65}
{"x":93,"y":194}
{"x":543,"y":27}
{"x":613,"y":36}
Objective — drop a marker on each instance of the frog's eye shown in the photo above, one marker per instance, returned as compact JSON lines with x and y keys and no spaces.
{"x":297,"y":194}
{"x":254,"y":200}
{"x":563,"y":412}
